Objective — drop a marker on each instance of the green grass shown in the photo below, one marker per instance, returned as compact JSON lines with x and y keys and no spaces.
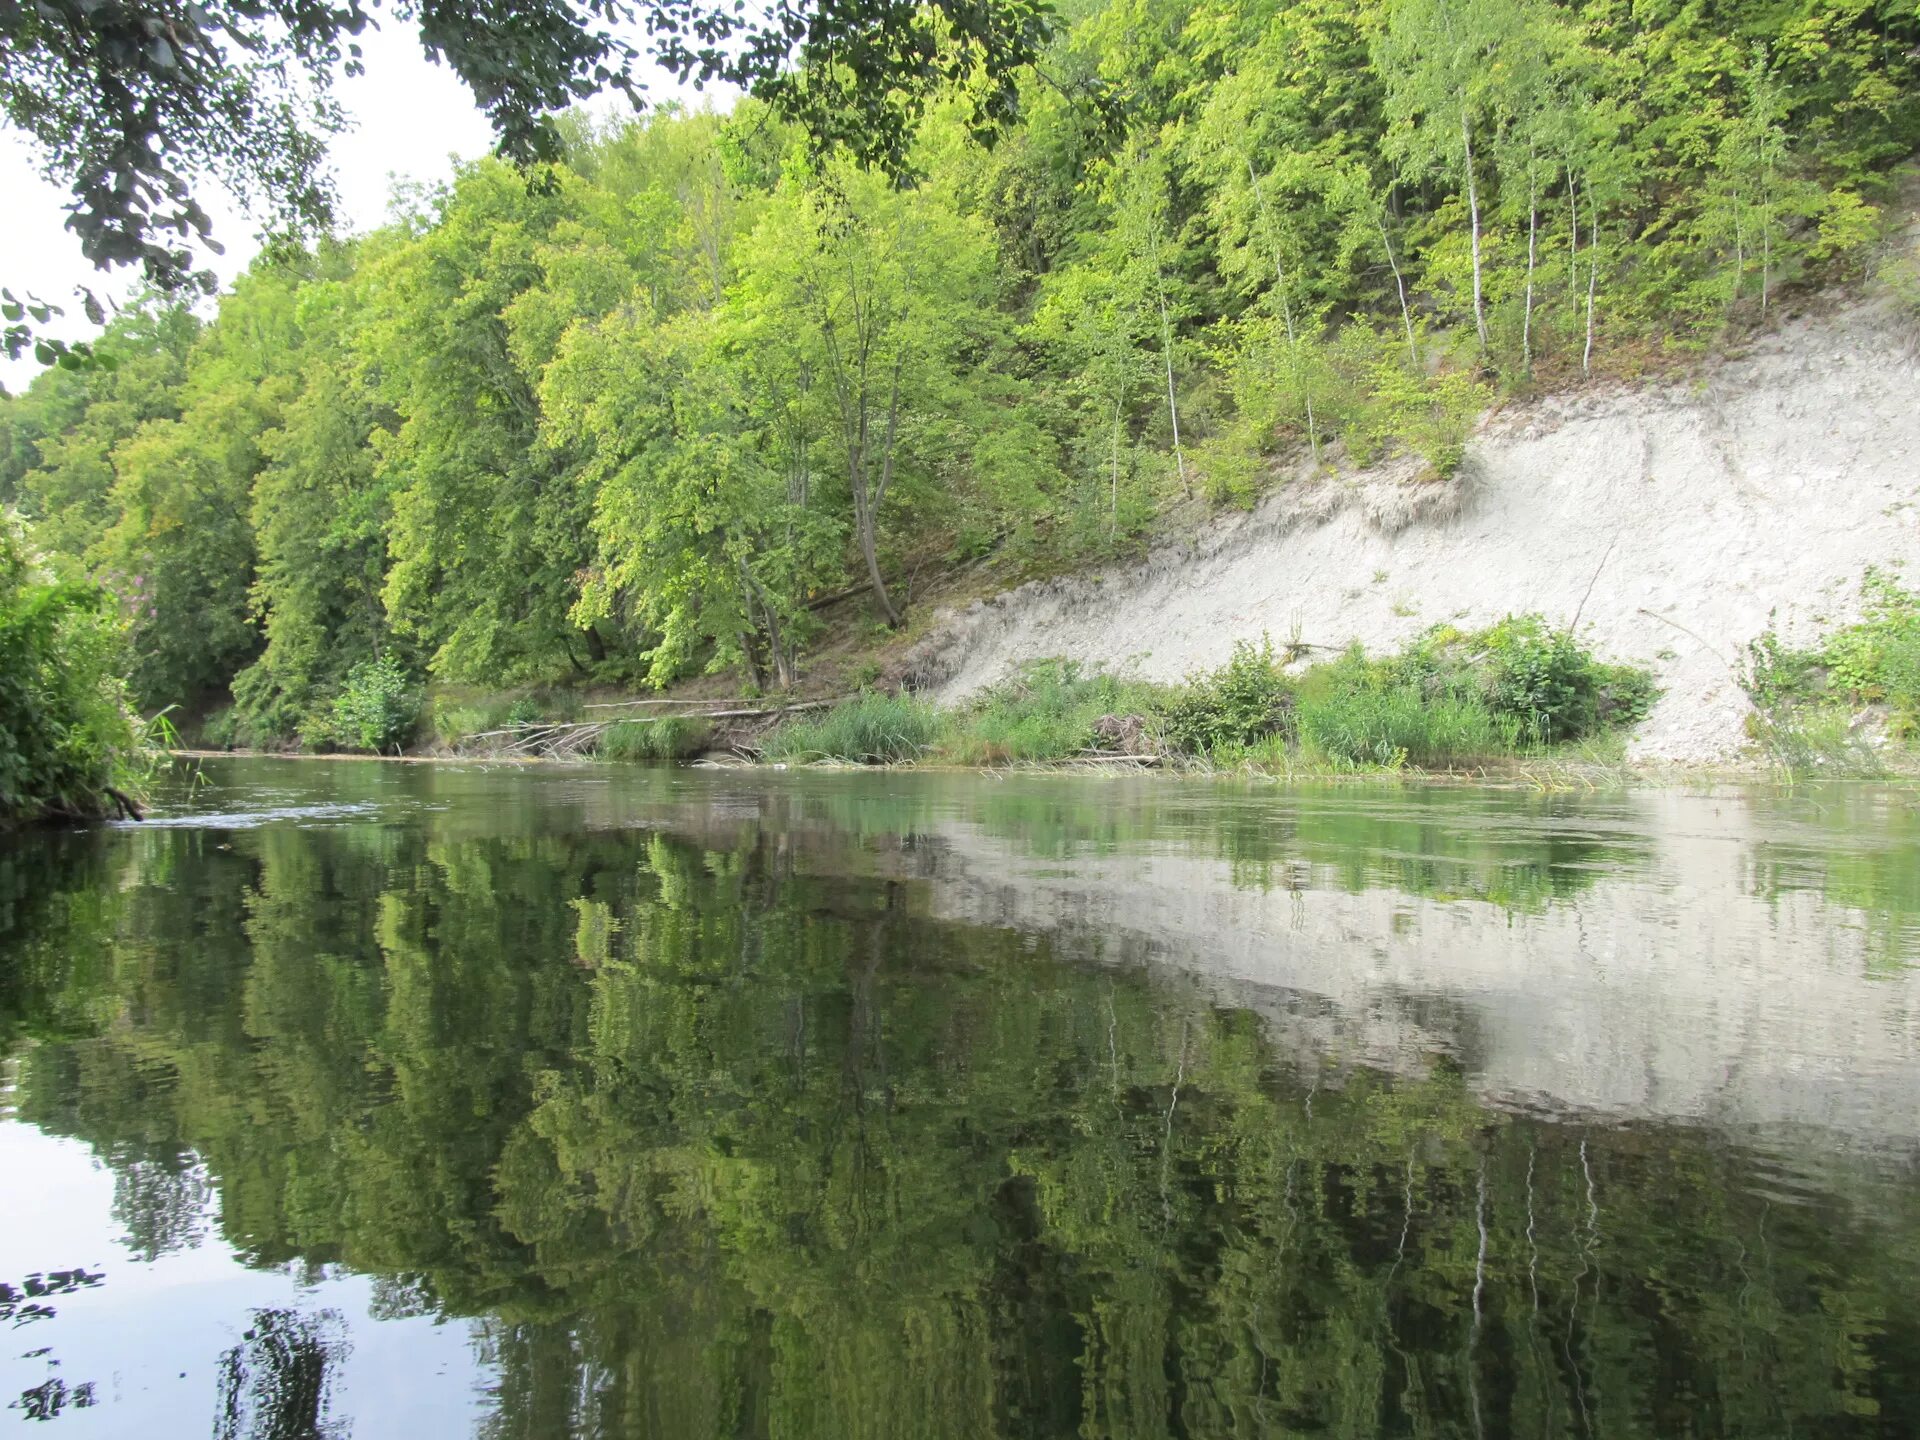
{"x":871,"y":729}
{"x":1399,"y":726}
{"x":458,"y":714}
{"x":1805,"y":699}
{"x":672,"y":737}
{"x":1045,"y":713}
{"x":1449,"y":699}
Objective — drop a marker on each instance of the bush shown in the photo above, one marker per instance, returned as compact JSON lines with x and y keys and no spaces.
{"x":672,"y":737}
{"x":1874,"y":661}
{"x":1877,"y":659}
{"x":69,"y":739}
{"x":377,"y":709}
{"x":1397,"y":725}
{"x":872,"y":729}
{"x":1546,"y":680}
{"x":1243,"y":702}
{"x":454,"y":723}
{"x":1046,"y":712}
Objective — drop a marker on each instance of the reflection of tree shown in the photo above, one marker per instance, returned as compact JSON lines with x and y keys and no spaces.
{"x":30,"y":1301}
{"x":276,"y":1383}
{"x":46,"y":1400}
{"x":33,"y":1298}
{"x":163,"y":1201}
{"x":719,"y":1144}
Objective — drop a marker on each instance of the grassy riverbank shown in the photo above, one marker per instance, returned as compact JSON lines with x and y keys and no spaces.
{"x":1520,"y":701}
{"x":1450,"y":700}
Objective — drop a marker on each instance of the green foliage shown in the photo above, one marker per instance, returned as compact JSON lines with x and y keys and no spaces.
{"x":1245,"y":701}
{"x":1046,"y":712}
{"x":1803,"y":697}
{"x":672,"y":737}
{"x":1545,"y":679}
{"x":631,"y":423}
{"x":1360,"y":722}
{"x":1448,"y":698}
{"x":68,"y":736}
{"x":377,"y":709}
{"x":1877,"y":659}
{"x":871,"y":729}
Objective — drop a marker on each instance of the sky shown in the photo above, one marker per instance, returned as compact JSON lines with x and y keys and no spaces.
{"x":413,"y":120}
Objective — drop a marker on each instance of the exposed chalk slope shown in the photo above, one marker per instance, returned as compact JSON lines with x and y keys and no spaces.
{"x":1695,"y":510}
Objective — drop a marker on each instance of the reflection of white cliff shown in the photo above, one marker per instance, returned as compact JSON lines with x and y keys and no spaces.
{"x":1671,"y":992}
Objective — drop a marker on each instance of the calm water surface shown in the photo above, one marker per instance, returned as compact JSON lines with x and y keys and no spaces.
{"x":357,"y":1099}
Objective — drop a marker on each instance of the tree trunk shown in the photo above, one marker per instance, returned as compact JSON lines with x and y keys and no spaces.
{"x":1400,"y":284}
{"x":1113,"y":487}
{"x":1573,"y":234}
{"x":1533,"y":233}
{"x":1739,"y":254}
{"x":867,"y":506}
{"x":1173,"y":406}
{"x":1766,"y":241}
{"x":1593,"y":276}
{"x":1473,"y":215}
{"x":1286,"y":305}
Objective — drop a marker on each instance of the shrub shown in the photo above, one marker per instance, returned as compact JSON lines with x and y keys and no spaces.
{"x":1543,"y":678}
{"x":377,"y":709}
{"x":69,"y":739}
{"x":672,"y":737}
{"x":871,"y":729}
{"x":1396,"y":725}
{"x":1046,"y":712}
{"x":1244,"y":701}
{"x":1877,"y":659}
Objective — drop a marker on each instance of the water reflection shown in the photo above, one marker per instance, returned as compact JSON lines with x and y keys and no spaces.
{"x":891,"y":1105}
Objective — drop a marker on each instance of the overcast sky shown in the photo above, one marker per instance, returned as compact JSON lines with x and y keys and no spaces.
{"x":411,"y":118}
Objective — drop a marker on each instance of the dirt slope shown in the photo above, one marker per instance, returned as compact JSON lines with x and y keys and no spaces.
{"x":1694,"y":510}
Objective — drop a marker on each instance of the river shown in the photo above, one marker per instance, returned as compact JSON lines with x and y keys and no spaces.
{"x":361,"y":1099}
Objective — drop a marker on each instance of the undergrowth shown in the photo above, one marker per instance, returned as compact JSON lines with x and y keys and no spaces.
{"x":672,"y":737}
{"x":1448,"y":700}
{"x":870,"y":729}
{"x":1836,"y":707}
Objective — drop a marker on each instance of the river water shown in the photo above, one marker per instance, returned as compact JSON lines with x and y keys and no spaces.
{"x":366,"y":1099}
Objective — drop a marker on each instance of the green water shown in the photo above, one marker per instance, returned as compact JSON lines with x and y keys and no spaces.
{"x":357,"y":1099}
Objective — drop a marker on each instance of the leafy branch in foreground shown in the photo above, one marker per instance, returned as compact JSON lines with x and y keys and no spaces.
{"x":70,"y":744}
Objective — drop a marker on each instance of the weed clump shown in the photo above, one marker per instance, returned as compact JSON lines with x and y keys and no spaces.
{"x":1048,"y":711}
{"x":871,"y":729}
{"x":1806,"y":699}
{"x":1246,"y":701}
{"x":672,"y":737}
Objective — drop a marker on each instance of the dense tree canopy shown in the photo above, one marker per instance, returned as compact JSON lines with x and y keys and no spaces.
{"x":135,"y":105}
{"x":632,"y":423}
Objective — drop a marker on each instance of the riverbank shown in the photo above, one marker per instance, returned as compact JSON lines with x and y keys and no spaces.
{"x":1670,"y":524}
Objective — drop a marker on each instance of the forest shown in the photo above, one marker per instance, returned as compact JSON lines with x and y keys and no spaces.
{"x":627,"y":418}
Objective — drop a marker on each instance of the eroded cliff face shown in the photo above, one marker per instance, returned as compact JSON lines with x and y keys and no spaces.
{"x":1676,"y":520}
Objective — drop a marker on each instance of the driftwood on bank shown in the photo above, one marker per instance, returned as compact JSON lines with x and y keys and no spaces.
{"x":570,"y":739}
